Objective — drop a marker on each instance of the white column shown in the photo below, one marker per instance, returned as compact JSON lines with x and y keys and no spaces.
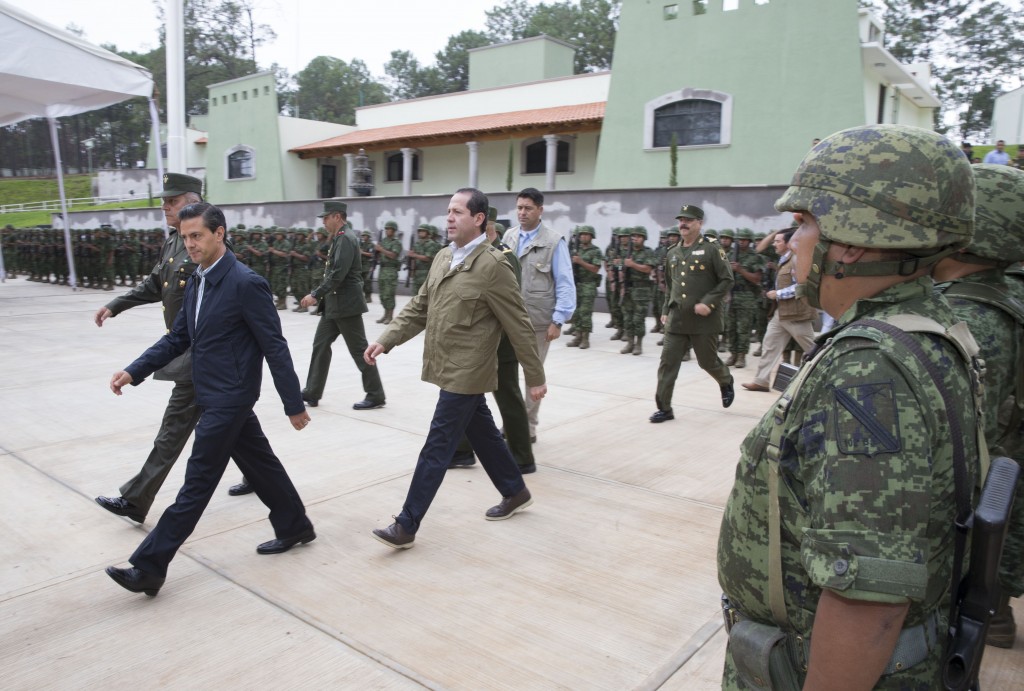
{"x":350,"y":162}
{"x":474,"y":163}
{"x":407,"y":155}
{"x":551,"y":160}
{"x":176,"y":162}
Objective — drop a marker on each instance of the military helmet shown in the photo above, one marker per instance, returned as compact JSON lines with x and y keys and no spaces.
{"x":744,"y":234}
{"x":578,"y":230}
{"x":621,"y":232}
{"x":727,"y":233}
{"x":711,"y":233}
{"x":364,"y":232}
{"x":999,"y":217}
{"x":639,"y":230}
{"x":886,"y":187}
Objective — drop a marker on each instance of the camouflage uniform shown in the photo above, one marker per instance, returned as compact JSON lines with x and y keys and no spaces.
{"x":387,"y":279}
{"x":369,"y":263}
{"x":744,"y":304}
{"x":428,"y":248}
{"x":587,"y":283}
{"x":639,"y":291}
{"x":863,"y":452}
{"x":983,"y":300}
{"x":727,"y":241}
{"x":669,"y":237}
{"x":301,"y":253}
{"x":258,"y":251}
{"x":279,"y":262}
{"x":615,"y":286}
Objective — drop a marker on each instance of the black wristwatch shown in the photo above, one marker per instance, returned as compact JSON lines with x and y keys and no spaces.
{"x":558,"y":324}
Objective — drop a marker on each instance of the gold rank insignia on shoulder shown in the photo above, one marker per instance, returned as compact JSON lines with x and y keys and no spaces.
{"x":170,"y":260}
{"x":181,"y":284}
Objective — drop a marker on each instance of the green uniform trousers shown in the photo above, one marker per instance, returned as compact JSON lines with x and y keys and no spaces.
{"x":705,"y":347}
{"x":327,"y":331}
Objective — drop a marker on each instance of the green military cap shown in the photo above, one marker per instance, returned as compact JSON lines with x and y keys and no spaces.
{"x":492,"y":213}
{"x":425,"y":227}
{"x":691,"y":211}
{"x":391,"y":224}
{"x":639,"y":230}
{"x":499,"y":228}
{"x":333,"y":208}
{"x":745,"y":234}
{"x":579,"y":230}
{"x":179,"y":183}
{"x":727,"y":233}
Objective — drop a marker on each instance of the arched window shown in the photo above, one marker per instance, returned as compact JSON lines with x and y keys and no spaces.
{"x":535,"y":156}
{"x":395,"y":163}
{"x":697,"y":117}
{"x":241,"y":163}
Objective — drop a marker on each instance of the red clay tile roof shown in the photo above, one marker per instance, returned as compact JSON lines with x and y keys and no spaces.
{"x":585,"y":117}
{"x":202,"y":140}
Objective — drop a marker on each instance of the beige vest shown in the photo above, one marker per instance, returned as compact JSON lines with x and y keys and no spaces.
{"x":538,"y":280}
{"x":796,"y":309}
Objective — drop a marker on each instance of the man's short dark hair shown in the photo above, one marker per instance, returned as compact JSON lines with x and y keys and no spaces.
{"x":533,"y":194}
{"x":213,"y":217}
{"x":477,"y":203}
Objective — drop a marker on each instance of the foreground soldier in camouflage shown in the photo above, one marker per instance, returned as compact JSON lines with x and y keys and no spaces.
{"x":839,"y":531}
{"x":979,"y":295}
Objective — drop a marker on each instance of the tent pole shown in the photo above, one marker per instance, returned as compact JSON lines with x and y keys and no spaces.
{"x":63,"y":204}
{"x":154,"y":116}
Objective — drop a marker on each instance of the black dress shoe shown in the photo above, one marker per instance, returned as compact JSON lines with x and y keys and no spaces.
{"x":394,"y":536}
{"x":662,"y":416}
{"x":241,"y":488}
{"x":464,"y":460}
{"x":728,"y":394}
{"x":509,"y":506}
{"x":122,"y":507}
{"x":367,"y":404}
{"x":286,"y":543}
{"x":527,"y":469}
{"x":136,"y":580}
{"x":311,"y":402}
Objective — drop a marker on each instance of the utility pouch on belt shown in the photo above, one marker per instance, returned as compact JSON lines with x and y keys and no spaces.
{"x":761,"y":657}
{"x":784,"y":376}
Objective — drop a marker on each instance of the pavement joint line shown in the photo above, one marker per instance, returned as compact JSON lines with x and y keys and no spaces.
{"x":678,"y":660}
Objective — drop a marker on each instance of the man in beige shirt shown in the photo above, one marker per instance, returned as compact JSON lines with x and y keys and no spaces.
{"x":470,"y":297}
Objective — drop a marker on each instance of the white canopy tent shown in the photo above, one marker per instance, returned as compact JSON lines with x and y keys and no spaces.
{"x":46,"y":72}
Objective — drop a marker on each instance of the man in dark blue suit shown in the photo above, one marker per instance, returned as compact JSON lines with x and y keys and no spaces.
{"x":230,"y":322}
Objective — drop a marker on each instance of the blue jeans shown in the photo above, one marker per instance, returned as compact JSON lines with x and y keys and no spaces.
{"x":457,"y":414}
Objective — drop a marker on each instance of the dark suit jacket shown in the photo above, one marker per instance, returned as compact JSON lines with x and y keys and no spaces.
{"x":238,"y":327}
{"x":341,"y":291}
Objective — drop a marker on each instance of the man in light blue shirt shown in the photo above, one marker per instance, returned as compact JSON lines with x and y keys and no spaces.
{"x":548,"y":288}
{"x":998,"y":155}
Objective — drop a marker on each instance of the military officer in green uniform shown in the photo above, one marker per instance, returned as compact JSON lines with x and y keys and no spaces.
{"x":747,"y":267}
{"x":368,"y":256}
{"x":975,"y":283}
{"x":339,"y":296}
{"x":837,"y":540}
{"x":699,"y":279}
{"x":586,"y":260}
{"x":422,"y":253}
{"x":389,"y":252}
{"x":639,"y":266}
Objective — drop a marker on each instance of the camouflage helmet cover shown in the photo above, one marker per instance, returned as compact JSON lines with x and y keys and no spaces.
{"x":999,"y":219}
{"x":744,"y":234}
{"x":639,"y":230}
{"x":583,"y":229}
{"x":886,"y":187}
{"x":727,"y":233}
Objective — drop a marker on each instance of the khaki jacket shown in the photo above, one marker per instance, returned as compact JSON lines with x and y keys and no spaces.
{"x":464,"y":312}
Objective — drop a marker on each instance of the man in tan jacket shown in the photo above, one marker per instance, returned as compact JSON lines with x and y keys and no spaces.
{"x":470,"y":297}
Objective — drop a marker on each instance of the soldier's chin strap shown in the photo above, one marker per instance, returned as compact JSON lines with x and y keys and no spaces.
{"x":821,"y":267}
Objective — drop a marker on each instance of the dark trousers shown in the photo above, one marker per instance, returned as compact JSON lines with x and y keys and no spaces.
{"x":512,"y":407}
{"x":221,"y":434}
{"x":327,"y":331}
{"x":180,"y":418}
{"x":705,"y":347}
{"x":454,"y":415}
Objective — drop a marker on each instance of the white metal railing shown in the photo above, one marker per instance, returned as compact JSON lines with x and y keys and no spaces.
{"x":54,"y":204}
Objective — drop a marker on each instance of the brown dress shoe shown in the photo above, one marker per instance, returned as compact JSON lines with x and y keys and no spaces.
{"x":394,"y":536}
{"x":754,"y":386}
{"x":509,"y":506}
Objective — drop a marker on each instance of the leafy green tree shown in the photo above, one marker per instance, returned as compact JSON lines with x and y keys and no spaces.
{"x":453,"y":60}
{"x":408,"y":79}
{"x":330,"y":89}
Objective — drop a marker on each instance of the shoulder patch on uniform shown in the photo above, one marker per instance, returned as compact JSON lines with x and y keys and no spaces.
{"x":867,"y":419}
